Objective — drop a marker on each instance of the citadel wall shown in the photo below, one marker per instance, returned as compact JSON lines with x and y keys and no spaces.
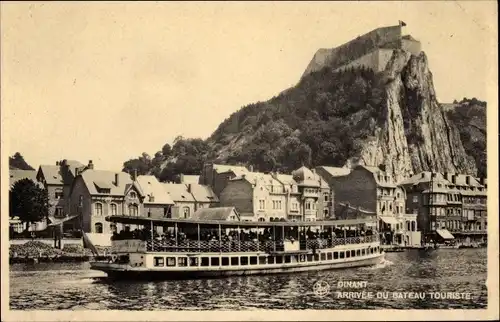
{"x":376,"y":60}
{"x":385,"y":38}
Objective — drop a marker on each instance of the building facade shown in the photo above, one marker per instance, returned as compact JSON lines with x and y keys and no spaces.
{"x":372,"y":191}
{"x":272,"y":197}
{"x":453,"y":202}
{"x":188,"y":198}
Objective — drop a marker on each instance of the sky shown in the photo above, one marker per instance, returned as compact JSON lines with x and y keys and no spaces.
{"x":107,"y":81}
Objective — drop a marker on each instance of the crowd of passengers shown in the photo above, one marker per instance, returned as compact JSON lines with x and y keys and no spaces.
{"x":243,"y":235}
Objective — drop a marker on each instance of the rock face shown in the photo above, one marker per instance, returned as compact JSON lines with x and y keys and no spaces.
{"x":416,"y":135}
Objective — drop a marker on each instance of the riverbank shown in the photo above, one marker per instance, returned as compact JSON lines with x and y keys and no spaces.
{"x":37,"y":252}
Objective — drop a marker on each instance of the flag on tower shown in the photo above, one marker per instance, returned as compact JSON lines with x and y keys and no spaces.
{"x":402,"y":23}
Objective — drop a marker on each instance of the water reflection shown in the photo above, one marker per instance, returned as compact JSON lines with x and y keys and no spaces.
{"x":75,"y":286}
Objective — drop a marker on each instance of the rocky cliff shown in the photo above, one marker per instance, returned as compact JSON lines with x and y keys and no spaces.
{"x":356,"y":116}
{"x":416,"y":134}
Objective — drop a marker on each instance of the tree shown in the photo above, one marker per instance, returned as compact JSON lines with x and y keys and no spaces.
{"x":17,"y":162}
{"x":166,"y":150}
{"x":28,"y":202}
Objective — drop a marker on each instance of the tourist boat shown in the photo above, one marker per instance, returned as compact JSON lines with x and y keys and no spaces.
{"x":191,"y":248}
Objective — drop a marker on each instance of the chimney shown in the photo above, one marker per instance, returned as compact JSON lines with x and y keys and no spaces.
{"x":90,"y":165}
{"x":445,"y":175}
{"x":453,"y":179}
{"x":481,"y":181}
{"x":117,"y":179}
{"x":250,"y":168}
{"x":433,"y":174}
{"x":467,"y":180}
{"x":189,"y":187}
{"x":57,"y":162}
{"x":423,"y":175}
{"x":182,"y":177}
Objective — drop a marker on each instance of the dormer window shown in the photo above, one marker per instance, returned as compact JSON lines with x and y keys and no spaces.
{"x":133,"y":195}
{"x":104,"y":190}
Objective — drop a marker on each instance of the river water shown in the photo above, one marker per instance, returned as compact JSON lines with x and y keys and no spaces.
{"x":74,"y":286}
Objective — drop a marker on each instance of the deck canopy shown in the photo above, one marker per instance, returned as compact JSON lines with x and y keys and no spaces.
{"x":445,"y":234}
{"x":134,"y":220}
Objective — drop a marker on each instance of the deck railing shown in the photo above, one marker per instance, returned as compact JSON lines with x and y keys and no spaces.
{"x":249,"y":246}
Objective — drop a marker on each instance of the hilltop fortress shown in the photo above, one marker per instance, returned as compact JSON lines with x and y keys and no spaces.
{"x":372,"y":50}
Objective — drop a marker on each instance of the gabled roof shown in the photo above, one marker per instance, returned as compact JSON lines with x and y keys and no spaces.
{"x":305,"y":177}
{"x":73,"y":165}
{"x":178,"y":192}
{"x":238,"y":170}
{"x":190,"y":178}
{"x":378,"y":175}
{"x":219,"y":213}
{"x":286,"y":179}
{"x":203,"y":193}
{"x":336,"y":171}
{"x":106,"y":178}
{"x":16,"y":175}
{"x":154,"y":191}
{"x":425,"y":176}
{"x":51,"y":174}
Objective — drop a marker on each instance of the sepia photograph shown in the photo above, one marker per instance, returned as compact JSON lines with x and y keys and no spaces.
{"x":249,"y":160}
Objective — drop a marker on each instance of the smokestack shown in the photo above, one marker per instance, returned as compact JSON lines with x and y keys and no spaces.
{"x":117,"y":179}
{"x":467,"y":180}
{"x":423,"y":175}
{"x":453,"y":178}
{"x":90,"y":165}
{"x":189,"y":187}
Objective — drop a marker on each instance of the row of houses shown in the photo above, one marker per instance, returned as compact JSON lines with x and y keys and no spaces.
{"x":424,"y":202}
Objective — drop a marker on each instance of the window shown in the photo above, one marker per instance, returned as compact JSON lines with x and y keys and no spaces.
{"x":262,"y":260}
{"x":112,"y":227}
{"x":234,"y":261}
{"x":185,"y":212}
{"x":225,"y":261}
{"x":363,"y":252}
{"x":262,"y":204}
{"x":325,"y":197}
{"x":182,"y":261}
{"x":80,"y":201}
{"x":288,"y":259}
{"x":325,"y":212}
{"x":59,"y":194}
{"x":323,"y":256}
{"x":133,"y":210}
{"x":262,"y":219}
{"x":59,"y":212}
{"x":98,"y":209}
{"x":98,"y":228}
{"x":316,"y":257}
{"x":353,"y":253}
{"x":133,"y":195}
{"x":170,"y":261}
{"x":244,"y":260}
{"x":193,"y":261}
{"x":341,"y":255}
{"x":329,"y":256}
{"x":335,"y":255}
{"x":215,"y":261}
{"x":309,"y":257}
{"x":114,"y":209}
{"x":279,"y":259}
{"x":295,"y":206}
{"x":347,"y":254}
{"x":204,"y":261}
{"x":415,"y":198}
{"x":358,"y":252}
{"x":270,"y":260}
{"x":159,"y":261}
{"x":253,"y":260}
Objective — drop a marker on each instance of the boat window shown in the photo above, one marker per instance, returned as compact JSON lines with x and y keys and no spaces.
{"x":270,"y":260}
{"x":204,"y":261}
{"x":234,"y":261}
{"x":353,"y":253}
{"x":244,"y":260}
{"x":363,"y":252}
{"x":170,"y":261}
{"x":309,"y":257}
{"x":215,"y":261}
{"x":323,"y":256}
{"x":279,"y":259}
{"x":329,"y":256}
{"x":182,"y":261}
{"x":302,"y":258}
{"x":253,"y":260}
{"x":358,"y":252}
{"x":288,"y":259}
{"x":225,"y":261}
{"x":316,"y":257}
{"x":262,"y":260}
{"x":193,"y":261}
{"x":335,"y":255}
{"x":159,"y":261}
{"x":347,"y":254}
{"x":371,"y":250}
